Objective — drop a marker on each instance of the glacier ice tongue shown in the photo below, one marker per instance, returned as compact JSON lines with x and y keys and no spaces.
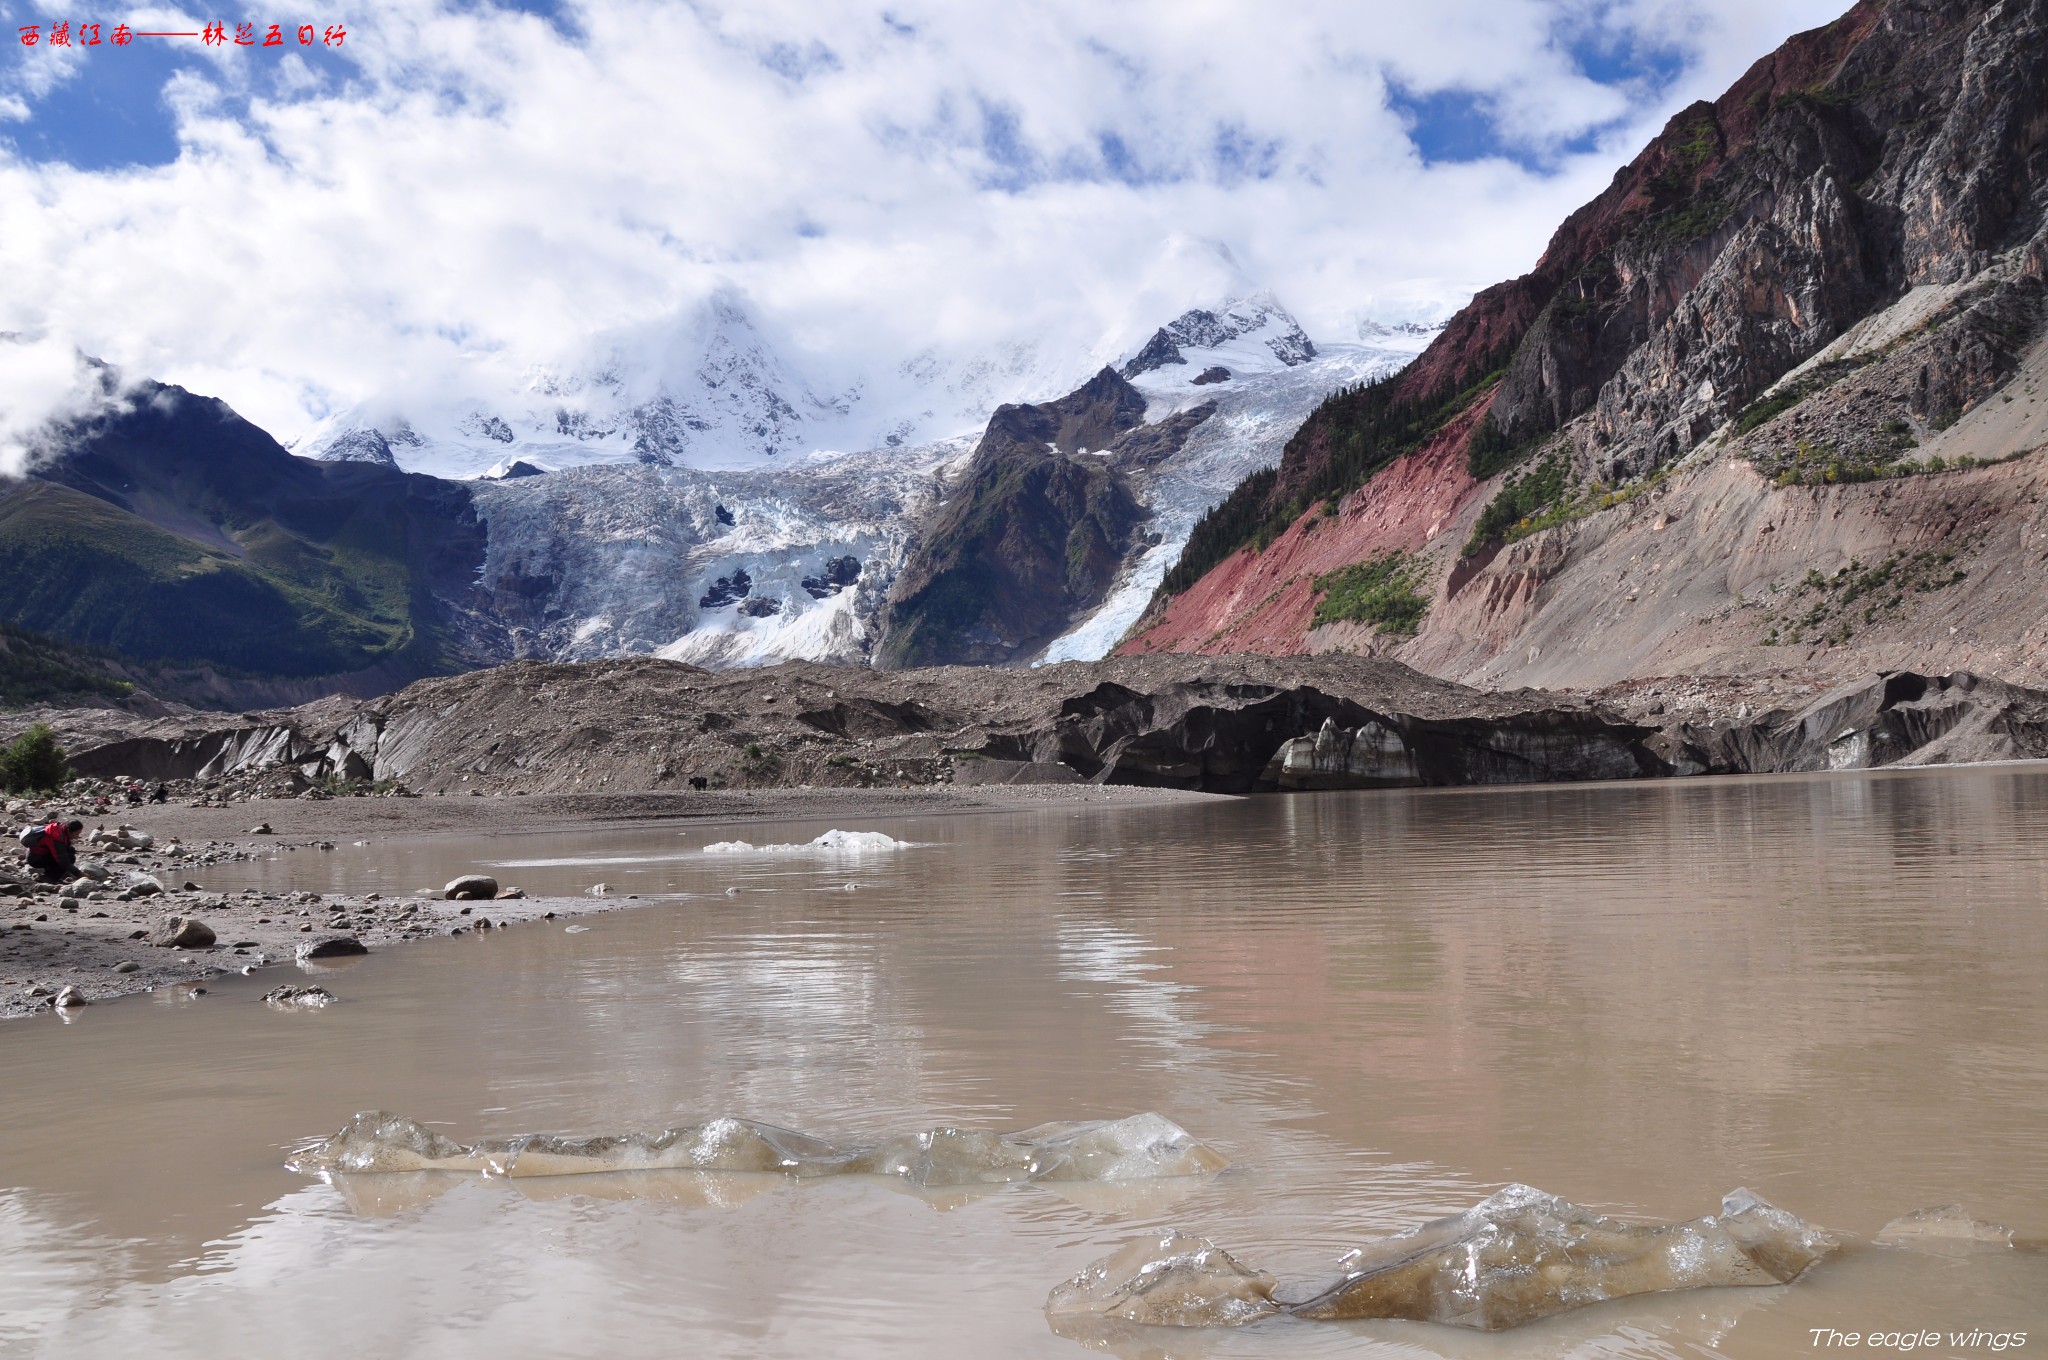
{"x":1517,"y":1256}
{"x":1172,"y":1280}
{"x":1143,"y":1146}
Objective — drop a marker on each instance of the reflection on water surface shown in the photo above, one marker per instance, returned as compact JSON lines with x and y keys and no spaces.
{"x":1380,"y":1007}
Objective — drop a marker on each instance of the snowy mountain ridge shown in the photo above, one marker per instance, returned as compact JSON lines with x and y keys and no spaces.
{"x":709,"y":390}
{"x":691,"y":493}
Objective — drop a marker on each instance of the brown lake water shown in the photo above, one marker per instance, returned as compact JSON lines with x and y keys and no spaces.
{"x":1381,"y":1007}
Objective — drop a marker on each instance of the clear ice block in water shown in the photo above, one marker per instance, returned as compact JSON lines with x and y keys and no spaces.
{"x":1947,"y":1229}
{"x":1140,"y":1147}
{"x":1517,"y":1256}
{"x":1172,"y":1280}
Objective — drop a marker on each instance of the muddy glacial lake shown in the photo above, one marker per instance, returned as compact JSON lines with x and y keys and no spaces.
{"x":1380,"y":1007}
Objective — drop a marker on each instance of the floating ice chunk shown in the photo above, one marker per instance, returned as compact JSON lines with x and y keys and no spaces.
{"x":1140,"y":1147}
{"x":718,"y":1145}
{"x":1517,"y":1256}
{"x":948,"y":1156}
{"x":1522,"y":1254}
{"x":1174,"y":1280}
{"x":743,"y":1145}
{"x":833,"y":842}
{"x":1948,"y":1229}
{"x":377,"y":1141}
{"x":1783,"y":1244}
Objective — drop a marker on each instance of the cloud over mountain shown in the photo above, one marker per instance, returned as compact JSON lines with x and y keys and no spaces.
{"x":479,"y":186}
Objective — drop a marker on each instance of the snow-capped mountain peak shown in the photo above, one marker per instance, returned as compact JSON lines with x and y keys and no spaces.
{"x":706,"y":389}
{"x":1241,"y":337}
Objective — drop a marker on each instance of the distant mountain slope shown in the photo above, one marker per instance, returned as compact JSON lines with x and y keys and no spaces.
{"x":176,"y":532}
{"x":1034,"y":534}
{"x":1253,"y":412}
{"x":225,"y":570}
{"x":34,"y":669}
{"x":1754,"y":361}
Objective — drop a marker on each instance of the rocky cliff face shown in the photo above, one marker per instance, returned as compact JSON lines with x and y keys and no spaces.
{"x":1034,"y":534}
{"x":1823,"y":289}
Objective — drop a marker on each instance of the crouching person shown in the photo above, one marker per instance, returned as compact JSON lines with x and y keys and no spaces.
{"x":52,"y":850}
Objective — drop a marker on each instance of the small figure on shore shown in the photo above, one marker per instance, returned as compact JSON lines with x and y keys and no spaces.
{"x":135,"y":795}
{"x":160,"y":794}
{"x":51,"y":854}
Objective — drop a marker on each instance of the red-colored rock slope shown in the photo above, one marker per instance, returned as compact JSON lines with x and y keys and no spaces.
{"x":1822,"y":287}
{"x":1264,"y":601}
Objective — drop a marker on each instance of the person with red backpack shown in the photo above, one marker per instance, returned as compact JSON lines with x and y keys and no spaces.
{"x":51,"y":853}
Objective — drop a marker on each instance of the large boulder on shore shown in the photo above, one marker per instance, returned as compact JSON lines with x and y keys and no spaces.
{"x":471,"y":888}
{"x":182,"y":932}
{"x":332,"y":947}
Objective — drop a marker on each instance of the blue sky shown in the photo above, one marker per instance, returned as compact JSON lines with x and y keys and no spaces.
{"x":478,"y":186}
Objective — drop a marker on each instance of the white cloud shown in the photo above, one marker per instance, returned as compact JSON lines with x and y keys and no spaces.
{"x":486,"y":185}
{"x":44,"y":383}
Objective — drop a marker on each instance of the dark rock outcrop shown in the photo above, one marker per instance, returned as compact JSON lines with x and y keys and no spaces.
{"x":1157,"y":353}
{"x":727,"y":590}
{"x":1033,"y":536}
{"x":520,"y":468}
{"x":1897,"y":719}
{"x":836,"y":575}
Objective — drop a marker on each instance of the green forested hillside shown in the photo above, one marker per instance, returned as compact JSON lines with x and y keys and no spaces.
{"x":34,"y":669}
{"x":176,"y":533}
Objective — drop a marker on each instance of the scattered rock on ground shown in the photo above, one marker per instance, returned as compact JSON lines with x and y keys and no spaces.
{"x":471,"y":888}
{"x":182,"y":932}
